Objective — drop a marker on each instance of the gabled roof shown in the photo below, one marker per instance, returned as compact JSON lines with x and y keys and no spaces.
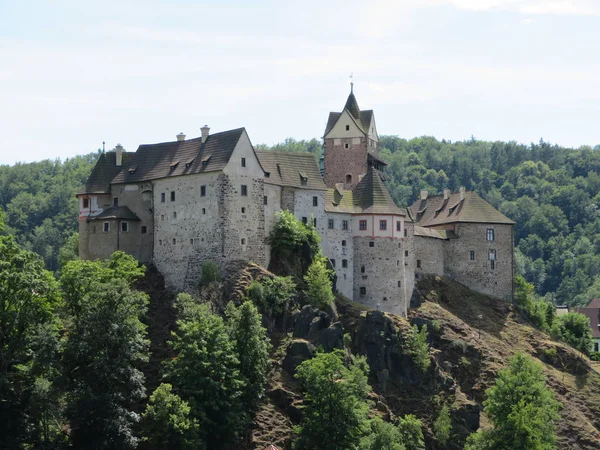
{"x":362,"y":119}
{"x":167,"y":159}
{"x":473,"y":209}
{"x":103,"y":172}
{"x":289,"y":169}
{"x":433,"y":233}
{"x":370,"y":196}
{"x":116,"y":212}
{"x":594,"y":303}
{"x":594,"y":315}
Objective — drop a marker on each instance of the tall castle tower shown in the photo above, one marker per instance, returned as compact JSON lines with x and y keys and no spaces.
{"x":351,"y":143}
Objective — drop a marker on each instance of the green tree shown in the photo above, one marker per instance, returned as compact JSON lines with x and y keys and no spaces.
{"x":272,"y":294}
{"x":522,"y":409}
{"x":574,"y":329}
{"x":411,"y":431}
{"x":206,"y":373}
{"x":335,"y":415}
{"x":318,"y":283}
{"x":103,"y":349}
{"x":382,"y":436}
{"x":442,"y":427}
{"x":167,"y":423}
{"x":417,"y":347}
{"x":29,"y":297}
{"x":252,"y":345}
{"x":69,"y":251}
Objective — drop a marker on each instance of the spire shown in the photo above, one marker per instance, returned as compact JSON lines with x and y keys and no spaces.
{"x":352,"y":104}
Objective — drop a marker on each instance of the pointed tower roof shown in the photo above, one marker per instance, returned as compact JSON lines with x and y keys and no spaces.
{"x":352,"y":105}
{"x":371,"y":195}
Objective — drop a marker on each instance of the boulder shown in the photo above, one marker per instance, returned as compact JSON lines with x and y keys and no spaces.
{"x":331,"y":338}
{"x":297,"y":352}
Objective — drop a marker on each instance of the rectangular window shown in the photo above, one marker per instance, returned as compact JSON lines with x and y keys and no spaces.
{"x":418,"y":263}
{"x":86,"y":203}
{"x":243,"y":210}
{"x":344,"y":224}
{"x":492,"y":255}
{"x":398,"y":226}
{"x":243,"y":162}
{"x":315,"y":222}
{"x":192,"y":241}
{"x":489,"y":234}
{"x":343,"y":243}
{"x":243,"y":241}
{"x":304,"y":220}
{"x":332,"y":263}
{"x":363,"y":290}
{"x":362,"y":269}
{"x":203,"y":210}
{"x":172,"y":196}
{"x":244,"y":190}
{"x":330,"y":224}
{"x":315,"y":201}
{"x":383,"y":225}
{"x":174,"y":215}
{"x":371,"y":244}
{"x":471,"y":255}
{"x":265,"y":200}
{"x":346,"y":146}
{"x":399,"y":283}
{"x":125,"y":227}
{"x":344,"y":263}
{"x":144,"y":229}
{"x":362,"y":225}
{"x":174,"y":241}
{"x":492,"y":264}
{"x":347,"y":127}
{"x":202,"y":191}
{"x":405,"y":232}
{"x":160,"y":242}
{"x":406,"y":253}
{"x":106,"y":227}
{"x":162,"y":217}
{"x":115,"y":201}
{"x":163,"y":196}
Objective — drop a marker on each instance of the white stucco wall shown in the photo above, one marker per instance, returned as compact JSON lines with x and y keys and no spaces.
{"x":339,"y":129}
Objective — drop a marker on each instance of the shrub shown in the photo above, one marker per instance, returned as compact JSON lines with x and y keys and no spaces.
{"x":209,"y":273}
{"x":595,"y":356}
{"x":436,"y":326}
{"x":318,"y":283}
{"x":276,"y":293}
{"x":464,"y":362}
{"x":442,"y":426}
{"x":412,"y":433}
{"x":417,"y":347}
{"x":460,"y":345}
{"x":574,"y":329}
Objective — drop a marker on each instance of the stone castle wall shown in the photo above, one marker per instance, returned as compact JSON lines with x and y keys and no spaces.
{"x":341,"y":161}
{"x":430,"y":255}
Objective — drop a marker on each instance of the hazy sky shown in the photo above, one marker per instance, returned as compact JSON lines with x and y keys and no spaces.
{"x":75,"y":73}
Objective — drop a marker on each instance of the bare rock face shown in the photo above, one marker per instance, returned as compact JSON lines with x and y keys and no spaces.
{"x":297,"y":352}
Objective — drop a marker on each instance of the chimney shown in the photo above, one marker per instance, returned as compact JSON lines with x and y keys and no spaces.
{"x":119,"y":151}
{"x":205,"y":129}
{"x":461,"y":191}
{"x":181,"y":136}
{"x":446,"y":194}
{"x":424,"y":194}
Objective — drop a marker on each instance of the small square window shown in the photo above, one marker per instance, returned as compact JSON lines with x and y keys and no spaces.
{"x":106,"y":226}
{"x":243,"y":162}
{"x":347,"y":127}
{"x":371,"y":244}
{"x":144,"y":229}
{"x":86,"y":203}
{"x":172,"y":196}
{"x":265,"y":200}
{"x":363,"y":290}
{"x":343,"y":243}
{"x":243,"y":210}
{"x":383,"y":225}
{"x":115,"y":201}
{"x":163,"y":196}
{"x":398,"y":226}
{"x":202,"y":191}
{"x":304,"y":220}
{"x":315,"y":201}
{"x":244,"y":192}
{"x":330,"y":224}
{"x":362,"y":225}
{"x":125,"y":227}
{"x":174,"y":241}
{"x":418,"y":263}
{"x":471,"y":255}
{"x":346,"y":146}
{"x":344,"y":224}
{"x":344,"y":263}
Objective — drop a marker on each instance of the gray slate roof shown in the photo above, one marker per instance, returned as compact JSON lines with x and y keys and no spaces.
{"x":103,"y":173}
{"x":288,"y":169}
{"x":473,"y":209}
{"x":168,"y":159}
{"x":116,"y":212}
{"x":362,"y":119}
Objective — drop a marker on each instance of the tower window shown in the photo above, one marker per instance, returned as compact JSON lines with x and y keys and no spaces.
{"x":315,"y":222}
{"x":383,"y":225}
{"x":86,"y":202}
{"x":174,"y":215}
{"x":405,"y":232}
{"x":203,"y":210}
{"x":243,"y":162}
{"x":362,"y":269}
{"x":489,"y":236}
{"x":163,"y":197}
{"x":330,"y":224}
{"x":399,"y":283}
{"x":243,"y":210}
{"x":192,"y":241}
{"x":243,"y":241}
{"x":174,"y":241}
{"x":471,"y":255}
{"x":343,"y":243}
{"x":418,"y":263}
{"x":345,"y":263}
{"x":332,"y":263}
{"x":106,"y":226}
{"x":172,"y":196}
{"x":304,"y":220}
{"x":492,"y":264}
{"x":363,"y":290}
{"x":125,"y":227}
{"x":344,"y":224}
{"x":265,"y":200}
{"x":202,"y":191}
{"x":371,"y":244}
{"x":244,"y":190}
{"x":115,"y":201}
{"x":144,"y":229}
{"x":406,"y":253}
{"x":315,"y":201}
{"x":398,"y":226}
{"x":362,"y":225}
{"x":346,"y":145}
{"x":347,"y":127}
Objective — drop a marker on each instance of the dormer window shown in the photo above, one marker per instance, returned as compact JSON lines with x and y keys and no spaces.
{"x":174,"y":165}
{"x":132,"y":170}
{"x":303,"y":178}
{"x":204,"y":161}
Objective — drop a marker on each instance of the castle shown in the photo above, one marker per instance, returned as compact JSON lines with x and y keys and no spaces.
{"x":215,"y":197}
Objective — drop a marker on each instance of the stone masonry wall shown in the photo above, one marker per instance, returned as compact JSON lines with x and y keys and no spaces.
{"x":338,"y":245}
{"x":477,"y":274}
{"x":340,"y":161}
{"x":430,"y":253}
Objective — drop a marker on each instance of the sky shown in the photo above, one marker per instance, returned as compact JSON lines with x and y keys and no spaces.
{"x":76,"y":73}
